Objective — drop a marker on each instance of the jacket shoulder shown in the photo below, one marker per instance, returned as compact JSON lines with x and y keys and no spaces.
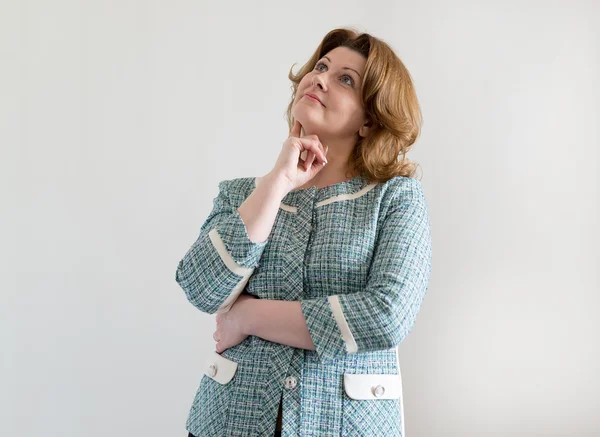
{"x":237,"y":189}
{"x":401,"y":190}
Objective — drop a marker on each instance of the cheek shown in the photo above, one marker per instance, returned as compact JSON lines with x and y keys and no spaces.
{"x":351,"y":115}
{"x":305,"y":83}
{"x":349,"y":109}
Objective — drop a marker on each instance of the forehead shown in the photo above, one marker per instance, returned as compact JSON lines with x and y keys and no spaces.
{"x":346,"y":57}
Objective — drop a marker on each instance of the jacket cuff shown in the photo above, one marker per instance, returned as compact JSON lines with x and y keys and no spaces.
{"x":326,"y":327}
{"x":216,"y":269}
{"x":234,"y":235}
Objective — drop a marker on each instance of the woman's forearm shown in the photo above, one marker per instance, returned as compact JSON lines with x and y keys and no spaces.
{"x":279,"y":321}
{"x":274,"y":320}
{"x":259,"y":210}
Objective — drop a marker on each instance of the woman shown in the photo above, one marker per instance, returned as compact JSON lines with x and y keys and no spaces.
{"x":317,"y":270}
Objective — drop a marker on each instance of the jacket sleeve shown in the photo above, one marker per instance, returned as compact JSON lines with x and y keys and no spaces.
{"x":215,"y":270}
{"x":382,"y":315}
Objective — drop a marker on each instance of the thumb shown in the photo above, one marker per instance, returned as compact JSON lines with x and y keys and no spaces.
{"x":295,"y":132}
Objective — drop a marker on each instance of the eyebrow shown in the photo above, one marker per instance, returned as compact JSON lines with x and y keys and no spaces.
{"x":346,"y":68}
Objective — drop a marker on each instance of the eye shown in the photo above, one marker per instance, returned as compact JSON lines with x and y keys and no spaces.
{"x":351,"y":79}
{"x":319,"y":64}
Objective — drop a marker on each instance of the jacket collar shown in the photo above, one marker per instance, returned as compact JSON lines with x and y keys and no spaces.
{"x":342,"y":191}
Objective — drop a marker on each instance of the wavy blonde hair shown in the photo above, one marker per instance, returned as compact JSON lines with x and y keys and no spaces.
{"x":390,"y":102}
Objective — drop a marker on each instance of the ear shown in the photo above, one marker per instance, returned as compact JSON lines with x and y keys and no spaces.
{"x":365,"y":128}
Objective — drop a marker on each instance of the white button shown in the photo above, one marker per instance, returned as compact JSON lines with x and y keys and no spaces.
{"x":290,"y":382}
{"x":378,"y":391}
{"x":212,"y":370}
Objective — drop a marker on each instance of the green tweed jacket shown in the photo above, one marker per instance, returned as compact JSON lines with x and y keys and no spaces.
{"x":357,"y":255}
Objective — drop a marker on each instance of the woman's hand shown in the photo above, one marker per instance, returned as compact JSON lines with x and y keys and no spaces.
{"x":291,"y":166}
{"x":231,"y":324}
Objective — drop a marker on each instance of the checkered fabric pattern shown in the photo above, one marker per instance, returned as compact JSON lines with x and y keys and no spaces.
{"x":357,"y":255}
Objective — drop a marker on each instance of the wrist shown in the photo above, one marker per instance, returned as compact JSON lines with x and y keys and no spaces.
{"x":248,"y":319}
{"x":278,"y":182}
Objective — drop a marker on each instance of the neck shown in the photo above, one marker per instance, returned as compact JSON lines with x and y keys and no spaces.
{"x":338,"y":156}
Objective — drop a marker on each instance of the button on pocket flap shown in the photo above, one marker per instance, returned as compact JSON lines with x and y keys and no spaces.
{"x":220,"y":368}
{"x":373,"y":386}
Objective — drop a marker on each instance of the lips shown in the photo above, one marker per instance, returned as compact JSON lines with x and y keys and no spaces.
{"x":314,"y":96}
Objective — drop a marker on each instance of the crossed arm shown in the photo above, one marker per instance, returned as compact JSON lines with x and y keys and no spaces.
{"x":216,"y":268}
{"x":279,"y":321}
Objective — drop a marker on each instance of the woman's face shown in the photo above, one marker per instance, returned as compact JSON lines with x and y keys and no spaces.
{"x":336,"y":80}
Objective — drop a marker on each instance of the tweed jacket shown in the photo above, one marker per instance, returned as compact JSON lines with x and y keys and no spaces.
{"x":357,"y":255}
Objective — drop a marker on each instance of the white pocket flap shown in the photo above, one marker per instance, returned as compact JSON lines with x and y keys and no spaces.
{"x":220,"y":368}
{"x":373,"y":386}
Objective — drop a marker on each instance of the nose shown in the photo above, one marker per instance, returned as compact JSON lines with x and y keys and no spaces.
{"x":319,"y":80}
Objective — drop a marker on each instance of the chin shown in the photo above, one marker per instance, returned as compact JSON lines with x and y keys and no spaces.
{"x":308,"y":121}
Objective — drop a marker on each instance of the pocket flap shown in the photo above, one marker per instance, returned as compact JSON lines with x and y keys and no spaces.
{"x":220,"y":368}
{"x":373,"y":386}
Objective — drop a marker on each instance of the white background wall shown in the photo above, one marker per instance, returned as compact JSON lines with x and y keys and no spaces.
{"x":119,"y":118}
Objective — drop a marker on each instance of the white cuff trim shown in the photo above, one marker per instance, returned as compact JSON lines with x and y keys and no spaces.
{"x":338,"y":314}
{"x":234,"y":267}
